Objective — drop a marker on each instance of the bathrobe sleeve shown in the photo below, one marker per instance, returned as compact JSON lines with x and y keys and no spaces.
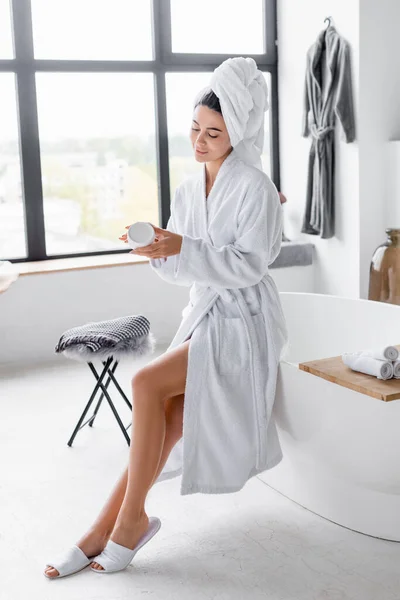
{"x":305,"y":131}
{"x":166,"y":267}
{"x":344,"y":106}
{"x":244,"y":262}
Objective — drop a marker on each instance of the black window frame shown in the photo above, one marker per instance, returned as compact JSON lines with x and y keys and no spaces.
{"x":25,"y":66}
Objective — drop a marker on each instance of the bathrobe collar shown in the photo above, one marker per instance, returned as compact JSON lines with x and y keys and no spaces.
{"x":205,"y":202}
{"x":227,"y":162}
{"x":328,"y":39}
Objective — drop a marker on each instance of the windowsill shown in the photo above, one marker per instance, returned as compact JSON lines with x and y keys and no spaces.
{"x":79,"y":263}
{"x":292,"y":254}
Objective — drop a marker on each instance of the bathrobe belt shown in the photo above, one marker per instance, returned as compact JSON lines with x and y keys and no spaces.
{"x":202,"y":306}
{"x":319,"y":133}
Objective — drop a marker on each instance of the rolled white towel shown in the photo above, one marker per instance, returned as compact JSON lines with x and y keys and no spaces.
{"x":371,"y":366}
{"x":396,"y":369}
{"x":385,"y":353}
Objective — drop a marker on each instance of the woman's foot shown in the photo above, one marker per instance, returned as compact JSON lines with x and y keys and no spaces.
{"x":92,"y":543}
{"x":127,"y":532}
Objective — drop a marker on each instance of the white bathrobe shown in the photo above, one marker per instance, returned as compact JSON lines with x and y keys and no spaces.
{"x":236,"y":324}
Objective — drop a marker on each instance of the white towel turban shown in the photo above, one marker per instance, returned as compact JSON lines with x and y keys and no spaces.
{"x":243,"y":95}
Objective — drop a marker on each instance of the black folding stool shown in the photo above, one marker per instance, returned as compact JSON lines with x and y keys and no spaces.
{"x":109,"y":340}
{"x":108,"y":368}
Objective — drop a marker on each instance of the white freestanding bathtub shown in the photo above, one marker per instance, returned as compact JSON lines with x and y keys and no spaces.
{"x":341,"y":448}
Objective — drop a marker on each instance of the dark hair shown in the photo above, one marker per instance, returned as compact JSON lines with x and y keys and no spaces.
{"x":210,"y":100}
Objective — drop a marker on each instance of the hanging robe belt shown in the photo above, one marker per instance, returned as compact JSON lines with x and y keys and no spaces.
{"x":318,"y":148}
{"x":319,"y":133}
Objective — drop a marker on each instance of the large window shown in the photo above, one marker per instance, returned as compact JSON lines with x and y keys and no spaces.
{"x":96,"y":107}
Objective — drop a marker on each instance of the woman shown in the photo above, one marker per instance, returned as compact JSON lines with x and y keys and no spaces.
{"x":224,"y":231}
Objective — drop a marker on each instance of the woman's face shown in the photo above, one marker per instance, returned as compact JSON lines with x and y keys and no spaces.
{"x":208,"y":135}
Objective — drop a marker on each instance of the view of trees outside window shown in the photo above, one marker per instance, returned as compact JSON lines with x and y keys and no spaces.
{"x":98,"y":157}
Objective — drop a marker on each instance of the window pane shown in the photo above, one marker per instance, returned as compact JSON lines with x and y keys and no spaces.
{"x":266,"y":153}
{"x":97,"y":141}
{"x":182,"y":88}
{"x":12,"y":229}
{"x":223,"y":27}
{"x":6,"y":46}
{"x":92,"y":30}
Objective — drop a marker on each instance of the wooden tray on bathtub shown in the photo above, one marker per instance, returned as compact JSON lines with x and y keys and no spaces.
{"x":333,"y":369}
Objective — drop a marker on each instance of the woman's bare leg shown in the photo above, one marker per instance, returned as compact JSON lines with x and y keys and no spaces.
{"x":94,"y":541}
{"x":174,"y":419}
{"x":162,"y":379}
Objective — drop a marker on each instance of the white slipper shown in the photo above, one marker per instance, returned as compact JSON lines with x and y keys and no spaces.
{"x":72,"y":561}
{"x":116,"y":557}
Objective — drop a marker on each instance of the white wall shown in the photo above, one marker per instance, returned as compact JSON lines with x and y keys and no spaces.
{"x":342,"y":262}
{"x":37,"y":309}
{"x":337,"y":262}
{"x":379,"y":119}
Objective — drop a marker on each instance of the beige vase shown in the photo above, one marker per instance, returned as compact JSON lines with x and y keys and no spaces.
{"x":384,"y":274}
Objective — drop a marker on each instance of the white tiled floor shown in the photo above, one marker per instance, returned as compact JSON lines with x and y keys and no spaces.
{"x":254,"y":544}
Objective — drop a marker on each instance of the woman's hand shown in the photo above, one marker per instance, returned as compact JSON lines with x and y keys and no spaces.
{"x":282,"y":198}
{"x":165,"y":244}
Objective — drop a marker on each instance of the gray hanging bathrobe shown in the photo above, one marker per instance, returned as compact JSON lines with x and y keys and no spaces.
{"x":327,"y":95}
